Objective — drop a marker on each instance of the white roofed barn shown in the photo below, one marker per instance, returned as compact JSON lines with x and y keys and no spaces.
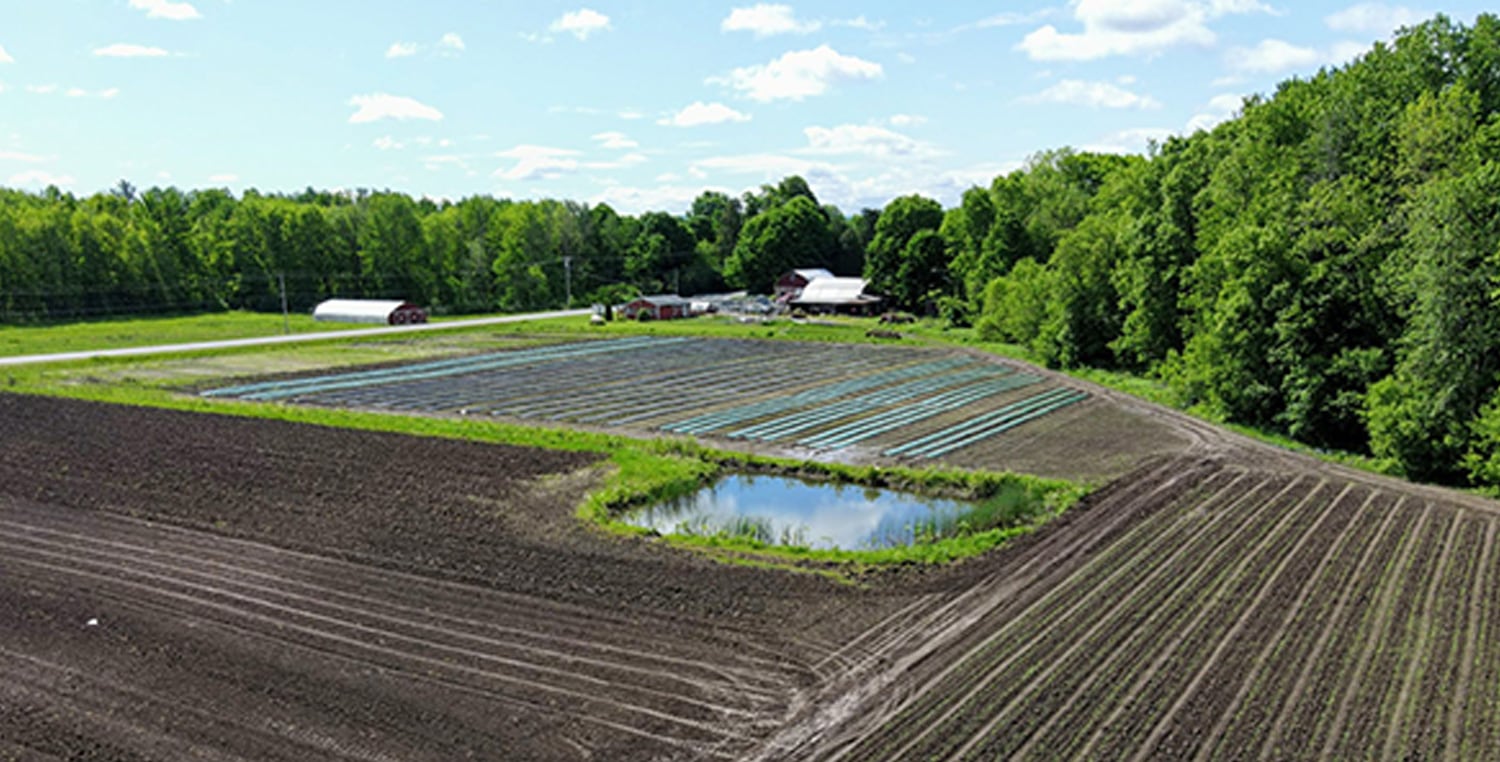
{"x":374,"y":311}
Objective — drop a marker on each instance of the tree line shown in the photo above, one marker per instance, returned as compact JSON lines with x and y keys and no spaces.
{"x":1326,"y":264}
{"x":128,"y":251}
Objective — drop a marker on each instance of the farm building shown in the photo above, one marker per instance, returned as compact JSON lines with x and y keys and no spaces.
{"x":839,"y":295}
{"x":658,"y":307}
{"x":790,"y":285}
{"x":379,"y":312}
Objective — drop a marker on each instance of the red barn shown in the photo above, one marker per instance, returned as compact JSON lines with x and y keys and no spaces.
{"x":790,"y":285}
{"x":659,"y":307}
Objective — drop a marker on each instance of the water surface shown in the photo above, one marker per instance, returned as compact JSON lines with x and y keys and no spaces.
{"x":785,"y":511}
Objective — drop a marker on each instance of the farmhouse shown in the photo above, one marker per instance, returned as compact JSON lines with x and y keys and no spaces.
{"x":659,"y":307}
{"x":837,"y":295}
{"x":379,"y":312}
{"x":790,"y":285}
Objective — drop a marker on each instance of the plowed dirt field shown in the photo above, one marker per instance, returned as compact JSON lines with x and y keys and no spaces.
{"x":182,"y":586}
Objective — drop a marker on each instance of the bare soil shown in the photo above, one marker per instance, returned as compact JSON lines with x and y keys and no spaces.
{"x":176,"y":585}
{"x":180,"y":586}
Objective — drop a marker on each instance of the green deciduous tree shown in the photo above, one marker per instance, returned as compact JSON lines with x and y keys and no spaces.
{"x":1420,"y":417}
{"x":792,"y":235}
{"x":901,"y":220}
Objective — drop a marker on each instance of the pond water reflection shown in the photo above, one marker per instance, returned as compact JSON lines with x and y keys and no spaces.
{"x":784,"y":511}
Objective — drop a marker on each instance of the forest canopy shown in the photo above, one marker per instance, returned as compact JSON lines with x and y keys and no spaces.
{"x":1325,"y":265}
{"x":129,"y":251}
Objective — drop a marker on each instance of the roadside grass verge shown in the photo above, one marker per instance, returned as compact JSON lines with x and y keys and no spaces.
{"x":78,"y":336}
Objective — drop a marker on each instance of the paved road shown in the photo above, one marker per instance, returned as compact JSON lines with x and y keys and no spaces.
{"x":284,"y":339}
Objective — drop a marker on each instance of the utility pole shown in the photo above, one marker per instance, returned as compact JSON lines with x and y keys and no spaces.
{"x":286,"y":321}
{"x":568,"y":280}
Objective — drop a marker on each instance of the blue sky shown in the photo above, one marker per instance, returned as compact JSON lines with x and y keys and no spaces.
{"x":640,"y":104}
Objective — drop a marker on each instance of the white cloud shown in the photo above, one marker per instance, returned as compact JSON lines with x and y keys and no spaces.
{"x":585,"y":110}
{"x":4,"y":56}
{"x":382,"y":106}
{"x":1047,"y":44}
{"x":615,"y":140}
{"x":439,"y":161}
{"x":1374,"y":18}
{"x":1137,"y":27}
{"x":866,"y":140}
{"x":675,"y":199}
{"x":537,"y":162}
{"x":71,"y":92}
{"x":766,"y":166}
{"x":1093,"y":95}
{"x":224,"y":177}
{"x":166,"y":9}
{"x":907,"y":120}
{"x":402,"y":49}
{"x":1009,"y":18}
{"x":1136,"y":140}
{"x":388,"y":143}
{"x":906,"y":58}
{"x":1135,"y":16}
{"x":128,"y":50}
{"x":40,"y":178}
{"x":1272,"y":57}
{"x":799,"y":74}
{"x":860,"y":22}
{"x":581,"y":23}
{"x":628,"y":160}
{"x":26,"y":158}
{"x":451,"y":43}
{"x":1234,"y":7}
{"x":631,"y":113}
{"x":848,"y":187}
{"x":1344,"y":52}
{"x":1220,"y":108}
{"x":1226,"y":102}
{"x":766,"y":19}
{"x":700,"y":113}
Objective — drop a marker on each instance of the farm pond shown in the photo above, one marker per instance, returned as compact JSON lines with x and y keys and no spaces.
{"x":779,"y":510}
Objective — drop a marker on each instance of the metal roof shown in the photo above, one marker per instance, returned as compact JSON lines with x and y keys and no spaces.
{"x":358,"y":310}
{"x":835,"y":291}
{"x":662,"y":300}
{"x":812,"y":274}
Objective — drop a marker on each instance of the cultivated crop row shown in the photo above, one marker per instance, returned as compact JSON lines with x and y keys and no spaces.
{"x":967,"y":671}
{"x":1256,"y":616}
{"x":903,"y":402}
{"x":512,"y":650}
